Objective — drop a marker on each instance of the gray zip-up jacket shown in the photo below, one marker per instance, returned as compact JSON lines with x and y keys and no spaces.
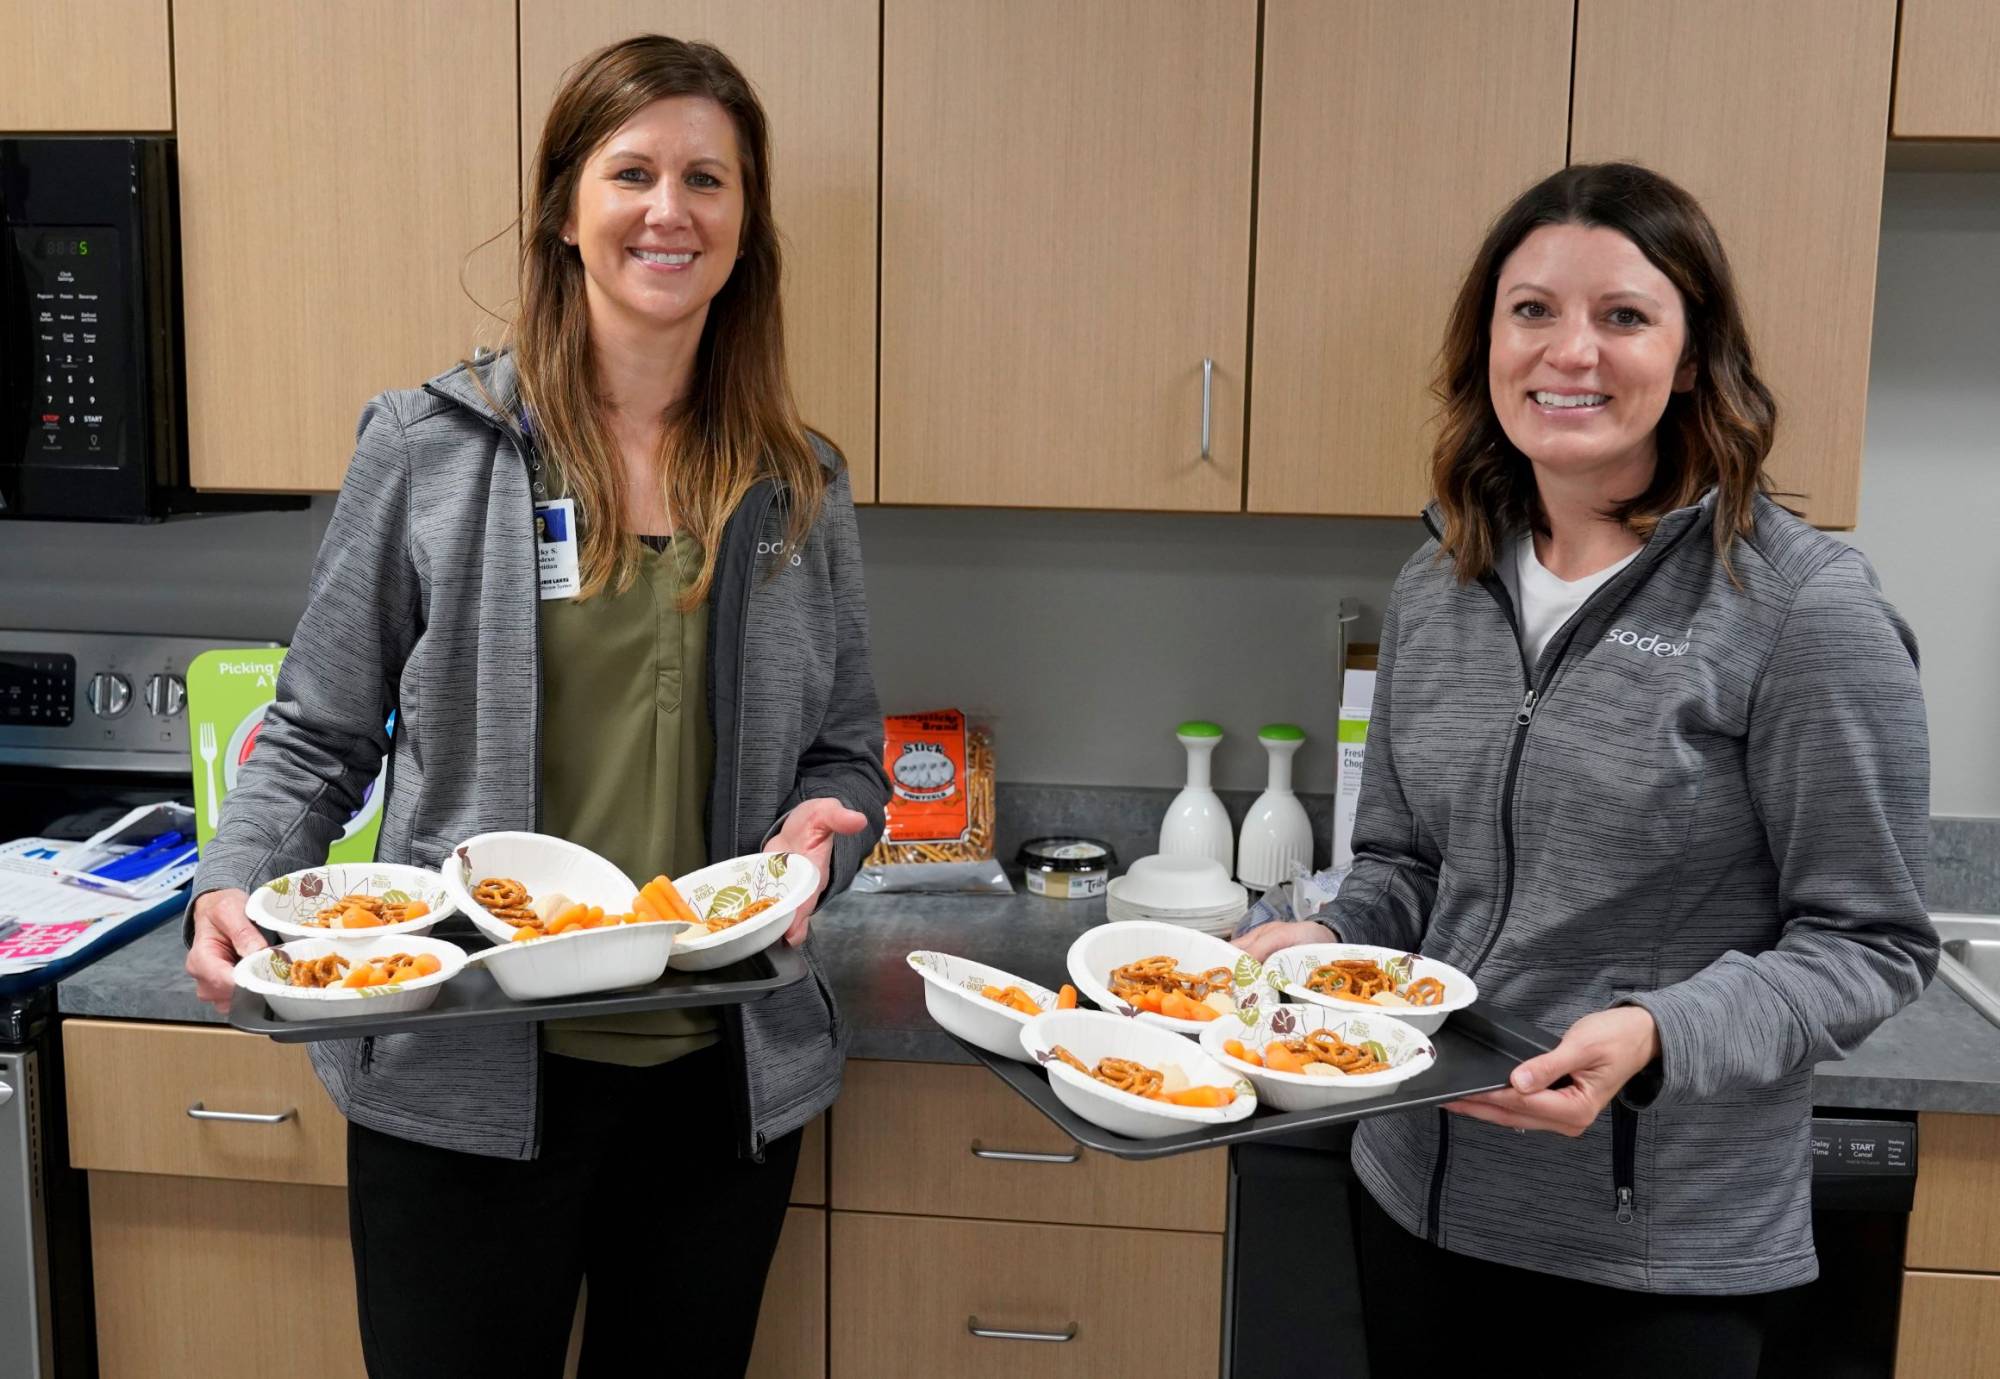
{"x":1707,"y":799}
{"x":423,"y":600}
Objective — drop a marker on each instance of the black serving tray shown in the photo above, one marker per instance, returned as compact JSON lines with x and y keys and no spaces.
{"x":1476,"y":1049}
{"x":474,"y":998}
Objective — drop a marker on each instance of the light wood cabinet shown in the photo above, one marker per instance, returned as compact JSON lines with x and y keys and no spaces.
{"x":791,"y":1329}
{"x":1950,"y":1326}
{"x":922,"y":1138}
{"x":1955,"y":1221}
{"x":1772,"y":115}
{"x":1393,"y":132}
{"x":103,"y":66}
{"x":909,"y":1291}
{"x":1948,"y":70}
{"x":222,"y":1279}
{"x":131,"y":1086}
{"x":1066,"y":196}
{"x":815,"y":64}
{"x":341,"y":168}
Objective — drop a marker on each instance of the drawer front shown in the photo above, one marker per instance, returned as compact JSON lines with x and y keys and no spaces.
{"x":908,"y":1291}
{"x":1950,"y":1326}
{"x":1955,"y":1221}
{"x":922,"y":1138}
{"x":132,"y":1085}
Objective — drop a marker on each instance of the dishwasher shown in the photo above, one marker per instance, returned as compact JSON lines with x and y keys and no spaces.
{"x":1277,"y":1316}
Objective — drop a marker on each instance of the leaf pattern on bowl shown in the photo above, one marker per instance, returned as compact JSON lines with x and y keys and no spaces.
{"x":778,"y":864}
{"x":1283,"y":1021}
{"x":282,"y":886}
{"x":728,"y":901}
{"x":1246,"y":970}
{"x":312,"y":885}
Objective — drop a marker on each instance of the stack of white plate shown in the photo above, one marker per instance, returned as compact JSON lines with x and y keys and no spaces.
{"x":1193,"y":892}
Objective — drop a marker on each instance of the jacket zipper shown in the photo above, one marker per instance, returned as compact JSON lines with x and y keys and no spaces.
{"x":733,"y":1021}
{"x":1524,"y":718}
{"x":532,"y":464}
{"x":1624,"y":1151}
{"x":1433,"y":1217}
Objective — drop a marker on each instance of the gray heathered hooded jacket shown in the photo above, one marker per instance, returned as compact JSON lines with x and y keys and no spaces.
{"x":423,"y":600}
{"x":1708,"y":800}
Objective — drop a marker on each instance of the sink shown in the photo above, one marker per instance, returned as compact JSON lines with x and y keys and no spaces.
{"x":1970,"y":964}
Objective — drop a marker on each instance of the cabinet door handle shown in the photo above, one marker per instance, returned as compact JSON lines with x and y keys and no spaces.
{"x":1023,"y":1156}
{"x":994,"y":1333}
{"x":1207,"y":397}
{"x":200,"y":1112}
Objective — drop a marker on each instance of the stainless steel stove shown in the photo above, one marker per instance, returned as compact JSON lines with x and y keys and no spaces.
{"x":91,"y":724}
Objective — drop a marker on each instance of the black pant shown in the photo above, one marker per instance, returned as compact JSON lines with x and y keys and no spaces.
{"x":1425,"y":1305}
{"x":468,"y":1265}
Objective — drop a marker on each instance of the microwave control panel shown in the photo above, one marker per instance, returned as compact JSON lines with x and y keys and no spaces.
{"x":73,"y":287}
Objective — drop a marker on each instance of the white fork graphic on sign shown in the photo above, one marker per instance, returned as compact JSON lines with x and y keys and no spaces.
{"x":208,"y":766}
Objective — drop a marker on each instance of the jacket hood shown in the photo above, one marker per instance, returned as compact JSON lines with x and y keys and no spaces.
{"x":483,"y":384}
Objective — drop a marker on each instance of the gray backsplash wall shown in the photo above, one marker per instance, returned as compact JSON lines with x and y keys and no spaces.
{"x":1085,"y":637}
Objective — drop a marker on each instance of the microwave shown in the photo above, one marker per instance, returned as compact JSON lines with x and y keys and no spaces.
{"x":92,"y":421}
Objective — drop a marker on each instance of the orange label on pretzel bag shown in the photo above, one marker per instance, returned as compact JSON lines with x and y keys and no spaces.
{"x":925,"y":756}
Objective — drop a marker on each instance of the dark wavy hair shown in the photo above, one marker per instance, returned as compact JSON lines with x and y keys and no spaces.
{"x":1716,"y":435}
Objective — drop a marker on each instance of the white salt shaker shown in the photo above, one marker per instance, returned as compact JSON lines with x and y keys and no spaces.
{"x":1196,"y":824}
{"x":1277,"y":835}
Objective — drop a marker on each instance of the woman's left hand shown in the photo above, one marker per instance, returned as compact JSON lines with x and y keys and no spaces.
{"x":1600,"y":1053}
{"x":810,"y":830}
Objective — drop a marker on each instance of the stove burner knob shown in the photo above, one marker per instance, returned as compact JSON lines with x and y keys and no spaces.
{"x":109,"y":695}
{"x":166,"y":696}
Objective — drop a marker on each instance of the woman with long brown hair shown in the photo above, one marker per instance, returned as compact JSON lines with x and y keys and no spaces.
{"x":611,"y":585}
{"x":1647,"y":758}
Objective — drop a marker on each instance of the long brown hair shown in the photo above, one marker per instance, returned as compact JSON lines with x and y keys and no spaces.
{"x":1714,"y":436}
{"x":740,"y":422}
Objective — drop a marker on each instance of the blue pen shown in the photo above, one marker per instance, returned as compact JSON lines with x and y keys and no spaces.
{"x":146,"y":859}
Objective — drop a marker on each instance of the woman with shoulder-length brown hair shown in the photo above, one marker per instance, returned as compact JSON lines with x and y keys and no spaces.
{"x":611,"y":586}
{"x":1647,"y":758}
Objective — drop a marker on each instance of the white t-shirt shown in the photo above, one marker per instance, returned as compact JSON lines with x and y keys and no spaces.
{"x":1542,"y":602}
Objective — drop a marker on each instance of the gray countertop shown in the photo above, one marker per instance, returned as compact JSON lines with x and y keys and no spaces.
{"x":1936,"y":1055}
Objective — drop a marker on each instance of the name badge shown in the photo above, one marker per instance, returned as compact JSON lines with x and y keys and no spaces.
{"x":555,"y":548}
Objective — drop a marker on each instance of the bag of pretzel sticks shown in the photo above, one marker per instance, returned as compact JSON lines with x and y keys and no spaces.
{"x":940,"y":820}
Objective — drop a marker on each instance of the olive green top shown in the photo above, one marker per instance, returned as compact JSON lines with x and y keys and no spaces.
{"x":627,"y":753}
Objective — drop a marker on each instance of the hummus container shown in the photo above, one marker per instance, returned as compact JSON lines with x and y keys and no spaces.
{"x":1066,"y":868}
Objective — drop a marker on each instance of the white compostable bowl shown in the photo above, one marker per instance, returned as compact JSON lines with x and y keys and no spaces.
{"x":283,"y":903}
{"x":1097,"y":951}
{"x":1407,"y":1052}
{"x":613,"y":957}
{"x":253,"y":973}
{"x":624,"y":955}
{"x":545,"y":865}
{"x":726,"y":887}
{"x":1091,"y":1035}
{"x":951,"y":995}
{"x":1289,"y":968}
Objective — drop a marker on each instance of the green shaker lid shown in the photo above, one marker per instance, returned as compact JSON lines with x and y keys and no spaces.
{"x":1281,"y":732}
{"x":1198,"y":727}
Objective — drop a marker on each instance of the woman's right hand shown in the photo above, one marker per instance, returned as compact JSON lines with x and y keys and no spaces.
{"x":222,"y":934}
{"x":1267,"y":939}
